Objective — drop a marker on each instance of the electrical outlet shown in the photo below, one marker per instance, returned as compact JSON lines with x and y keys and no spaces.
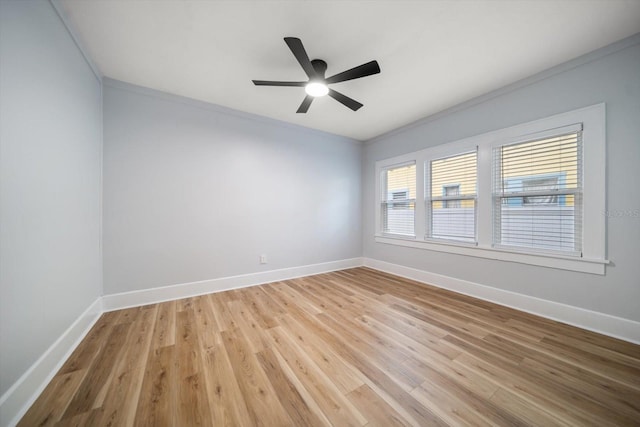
{"x":263,"y":259}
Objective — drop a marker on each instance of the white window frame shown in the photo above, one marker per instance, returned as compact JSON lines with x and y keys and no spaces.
{"x":380,"y":184}
{"x":445,"y":152}
{"x":576,"y":192}
{"x":593,"y":256}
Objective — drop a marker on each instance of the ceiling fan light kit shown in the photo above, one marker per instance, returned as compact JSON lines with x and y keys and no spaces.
{"x":317,"y":85}
{"x":316,"y":89}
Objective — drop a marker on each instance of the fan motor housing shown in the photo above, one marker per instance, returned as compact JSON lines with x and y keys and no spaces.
{"x":320,"y":66}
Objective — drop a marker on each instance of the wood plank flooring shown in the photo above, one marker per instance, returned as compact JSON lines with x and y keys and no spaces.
{"x":354,"y":347}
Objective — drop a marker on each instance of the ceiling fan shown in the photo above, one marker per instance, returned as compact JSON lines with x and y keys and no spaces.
{"x":317,"y":85}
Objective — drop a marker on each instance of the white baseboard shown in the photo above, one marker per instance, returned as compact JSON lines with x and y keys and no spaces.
{"x":602,"y":323}
{"x":15,"y":402}
{"x":184,"y":290}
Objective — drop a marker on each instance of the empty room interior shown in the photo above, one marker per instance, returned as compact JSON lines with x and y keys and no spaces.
{"x":314,"y":213}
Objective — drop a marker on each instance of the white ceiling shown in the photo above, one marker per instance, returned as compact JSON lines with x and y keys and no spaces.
{"x":433,"y":54}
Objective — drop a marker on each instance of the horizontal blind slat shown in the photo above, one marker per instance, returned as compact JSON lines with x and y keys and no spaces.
{"x":451,"y":197}
{"x":398,"y":199}
{"x":537,"y":193}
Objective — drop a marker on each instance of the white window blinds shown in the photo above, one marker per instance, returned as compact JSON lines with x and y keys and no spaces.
{"x":399,"y":199}
{"x":537,"y":193}
{"x":451,"y":197}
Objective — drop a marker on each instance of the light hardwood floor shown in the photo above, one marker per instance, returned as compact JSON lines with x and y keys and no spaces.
{"x":355,"y":347}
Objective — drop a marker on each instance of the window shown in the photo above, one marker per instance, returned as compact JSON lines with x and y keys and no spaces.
{"x":533,"y":193}
{"x":451,"y":202}
{"x":398,"y":199}
{"x":530,"y":180}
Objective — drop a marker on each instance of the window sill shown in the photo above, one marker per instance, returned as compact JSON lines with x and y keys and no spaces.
{"x":584,"y":265}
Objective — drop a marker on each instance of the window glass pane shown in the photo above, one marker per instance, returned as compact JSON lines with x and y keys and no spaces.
{"x":454,"y":223}
{"x":539,"y":162}
{"x":539,"y":226}
{"x":452,"y":209}
{"x":398,"y":200}
{"x":538,"y":184}
{"x":456,"y":174}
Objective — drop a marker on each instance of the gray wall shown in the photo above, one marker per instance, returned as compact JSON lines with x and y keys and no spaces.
{"x":613,"y":79}
{"x":50,"y":196}
{"x":196,"y":192}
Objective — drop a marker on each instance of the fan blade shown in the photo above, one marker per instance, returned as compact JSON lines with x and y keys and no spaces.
{"x":304,"y":107}
{"x":355,"y":73}
{"x":270,"y":83}
{"x":345,"y":100}
{"x":301,"y":55}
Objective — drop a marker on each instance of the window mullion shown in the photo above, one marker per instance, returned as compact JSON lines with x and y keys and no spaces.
{"x":485,"y":203}
{"x":420,"y":226}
